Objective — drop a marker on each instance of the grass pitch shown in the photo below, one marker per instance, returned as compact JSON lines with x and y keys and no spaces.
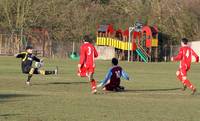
{"x":152,"y":94}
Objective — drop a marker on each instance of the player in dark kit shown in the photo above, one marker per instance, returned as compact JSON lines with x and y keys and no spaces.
{"x":26,"y":65}
{"x":112,"y":79}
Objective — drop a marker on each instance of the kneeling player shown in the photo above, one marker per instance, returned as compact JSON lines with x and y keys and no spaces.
{"x":26,"y":65}
{"x":112,"y":79}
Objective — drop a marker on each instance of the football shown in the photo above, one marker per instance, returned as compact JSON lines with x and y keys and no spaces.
{"x":39,"y":64}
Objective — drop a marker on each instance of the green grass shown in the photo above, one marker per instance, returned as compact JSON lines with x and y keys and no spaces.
{"x":153,"y":94}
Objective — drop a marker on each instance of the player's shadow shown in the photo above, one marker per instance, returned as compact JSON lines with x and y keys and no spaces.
{"x":67,"y":83}
{"x":10,"y":97}
{"x":152,"y":90}
{"x":7,"y":115}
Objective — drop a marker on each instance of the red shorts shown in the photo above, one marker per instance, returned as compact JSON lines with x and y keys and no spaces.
{"x":90,"y":69}
{"x":183,"y":71}
{"x":83,"y":72}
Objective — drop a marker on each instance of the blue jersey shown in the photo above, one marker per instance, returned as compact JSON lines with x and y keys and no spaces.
{"x":114,"y":74}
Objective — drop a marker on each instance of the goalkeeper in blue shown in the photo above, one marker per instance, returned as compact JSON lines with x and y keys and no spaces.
{"x":112,"y":79}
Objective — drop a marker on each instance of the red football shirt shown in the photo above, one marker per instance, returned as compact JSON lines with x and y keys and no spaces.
{"x":110,"y":29}
{"x":185,"y":56}
{"x":87,"y":55}
{"x":126,"y":33}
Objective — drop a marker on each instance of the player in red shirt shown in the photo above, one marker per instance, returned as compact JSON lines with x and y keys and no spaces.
{"x":126,"y":35}
{"x":86,"y":65}
{"x":185,"y":57}
{"x":110,"y":30}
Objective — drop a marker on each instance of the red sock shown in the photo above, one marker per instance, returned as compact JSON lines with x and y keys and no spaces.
{"x":93,"y":84}
{"x":179,"y":77}
{"x":189,"y":84}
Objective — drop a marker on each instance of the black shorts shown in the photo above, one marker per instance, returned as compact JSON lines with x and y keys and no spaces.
{"x":112,"y":87}
{"x":26,"y":70}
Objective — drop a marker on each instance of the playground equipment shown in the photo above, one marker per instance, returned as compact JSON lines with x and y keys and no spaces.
{"x":145,"y":38}
{"x":106,"y":41}
{"x":142,"y":39}
{"x":73,"y":55}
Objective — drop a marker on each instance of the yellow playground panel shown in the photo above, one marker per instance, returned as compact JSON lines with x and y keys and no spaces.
{"x":104,"y":41}
{"x":154,"y":42}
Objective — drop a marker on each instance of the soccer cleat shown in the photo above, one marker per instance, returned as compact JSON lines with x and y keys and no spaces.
{"x":28,"y":83}
{"x":94,"y":91}
{"x":56,"y":70}
{"x":194,"y":91}
{"x":184,"y":87}
{"x":117,"y":89}
{"x":121,"y":88}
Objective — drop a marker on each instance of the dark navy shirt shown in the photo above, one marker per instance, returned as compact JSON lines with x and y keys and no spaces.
{"x":27,"y":60}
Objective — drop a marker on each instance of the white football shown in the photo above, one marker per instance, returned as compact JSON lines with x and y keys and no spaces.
{"x":39,"y":64}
